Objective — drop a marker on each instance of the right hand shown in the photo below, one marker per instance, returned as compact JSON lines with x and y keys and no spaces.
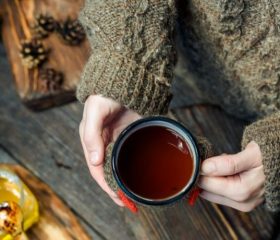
{"x":103,"y":120}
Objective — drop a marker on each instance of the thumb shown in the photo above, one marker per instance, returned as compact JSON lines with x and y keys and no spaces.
{"x":92,"y":135}
{"x":230,"y":164}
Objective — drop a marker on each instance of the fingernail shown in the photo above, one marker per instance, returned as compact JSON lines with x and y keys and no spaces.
{"x":94,"y":158}
{"x":208,"y":167}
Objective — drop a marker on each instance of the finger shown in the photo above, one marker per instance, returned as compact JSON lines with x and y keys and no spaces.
{"x":97,"y":172}
{"x":243,"y":206}
{"x":232,"y":187}
{"x":217,"y":185}
{"x":95,"y":116}
{"x":253,"y":179}
{"x":231,"y":164}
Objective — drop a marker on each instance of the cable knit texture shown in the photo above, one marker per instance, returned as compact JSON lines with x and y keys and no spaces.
{"x":229,"y":55}
{"x":266,"y":132}
{"x":133,"y":53}
{"x":133,"y":56}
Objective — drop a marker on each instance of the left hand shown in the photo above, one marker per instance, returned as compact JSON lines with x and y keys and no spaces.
{"x":234,"y":180}
{"x":103,"y":120}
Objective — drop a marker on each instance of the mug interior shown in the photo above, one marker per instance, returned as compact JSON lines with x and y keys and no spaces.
{"x":177,"y":129}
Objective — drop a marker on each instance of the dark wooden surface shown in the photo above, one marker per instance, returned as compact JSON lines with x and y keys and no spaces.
{"x":18,"y":20}
{"x":47,"y":143}
{"x":56,"y":220}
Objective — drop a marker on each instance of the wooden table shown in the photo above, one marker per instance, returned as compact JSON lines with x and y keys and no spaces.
{"x":47,"y":143}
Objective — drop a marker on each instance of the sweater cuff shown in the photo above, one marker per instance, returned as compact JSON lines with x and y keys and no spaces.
{"x":125,"y":81}
{"x":206,"y":148}
{"x":266,"y":132}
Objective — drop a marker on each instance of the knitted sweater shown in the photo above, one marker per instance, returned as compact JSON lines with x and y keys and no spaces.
{"x":133,"y":61}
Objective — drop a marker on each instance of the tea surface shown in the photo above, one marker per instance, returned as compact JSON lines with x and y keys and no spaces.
{"x":155,"y":163}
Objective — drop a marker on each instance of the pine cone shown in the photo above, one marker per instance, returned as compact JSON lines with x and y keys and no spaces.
{"x":32,"y":53}
{"x":50,"y":79}
{"x":45,"y":24}
{"x":71,"y":31}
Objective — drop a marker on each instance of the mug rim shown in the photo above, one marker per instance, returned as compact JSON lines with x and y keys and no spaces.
{"x":196,"y":157}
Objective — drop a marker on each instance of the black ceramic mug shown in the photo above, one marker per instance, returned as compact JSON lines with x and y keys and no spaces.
{"x":154,"y":162}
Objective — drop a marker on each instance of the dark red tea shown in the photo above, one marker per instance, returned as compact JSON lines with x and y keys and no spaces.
{"x":155,"y":163}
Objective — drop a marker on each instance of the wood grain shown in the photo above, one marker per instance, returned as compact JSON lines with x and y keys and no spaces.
{"x":56,"y":220}
{"x":47,"y":143}
{"x":18,"y":19}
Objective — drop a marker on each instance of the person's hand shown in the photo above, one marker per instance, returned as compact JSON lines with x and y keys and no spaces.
{"x":103,"y":120}
{"x":235,"y":180}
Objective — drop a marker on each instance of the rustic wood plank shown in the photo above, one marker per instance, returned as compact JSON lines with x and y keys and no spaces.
{"x":225,"y":133}
{"x":6,"y":158}
{"x":47,"y":143}
{"x":18,"y":19}
{"x":56,"y":220}
{"x":47,"y":155}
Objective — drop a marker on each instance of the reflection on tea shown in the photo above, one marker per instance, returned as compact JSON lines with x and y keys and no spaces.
{"x":155,"y":163}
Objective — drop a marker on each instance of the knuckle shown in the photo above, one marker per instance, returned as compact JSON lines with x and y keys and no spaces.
{"x":91,"y":100}
{"x":94,"y":99}
{"x":256,"y":149}
{"x":241,"y":197}
{"x":244,"y":193}
{"x":229,"y":187}
{"x":88,"y":139}
{"x":237,"y":190}
{"x":247,"y":208}
{"x":253,"y":145}
{"x":231,"y":165}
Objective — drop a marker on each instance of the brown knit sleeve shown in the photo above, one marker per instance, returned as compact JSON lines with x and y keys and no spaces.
{"x":266,"y":132}
{"x":133,"y":53}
